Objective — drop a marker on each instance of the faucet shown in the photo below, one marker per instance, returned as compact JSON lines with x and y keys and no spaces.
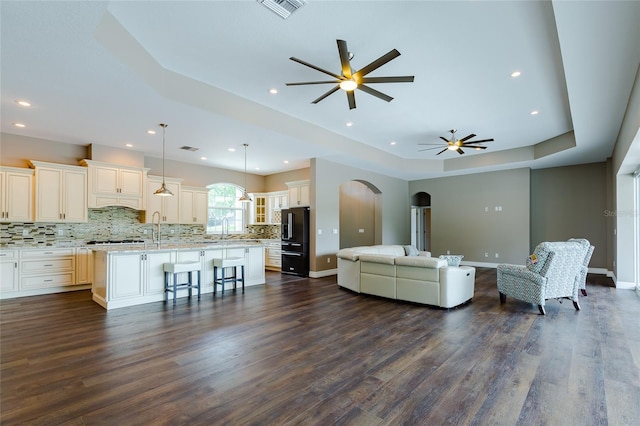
{"x":157,"y":231}
{"x":225,"y":223}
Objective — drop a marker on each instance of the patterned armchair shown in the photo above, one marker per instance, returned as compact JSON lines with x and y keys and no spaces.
{"x":582,"y":276}
{"x":551,"y":273}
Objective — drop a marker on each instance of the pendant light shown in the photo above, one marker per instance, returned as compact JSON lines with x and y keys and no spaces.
{"x":163,"y":191}
{"x":245,"y":197}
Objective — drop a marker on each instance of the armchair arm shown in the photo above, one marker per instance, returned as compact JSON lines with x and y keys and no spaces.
{"x":521,"y":283}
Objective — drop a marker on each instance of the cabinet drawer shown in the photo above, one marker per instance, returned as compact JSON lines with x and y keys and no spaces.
{"x":50,"y":280}
{"x":8,"y":254}
{"x":40,"y":266}
{"x":46,"y":253}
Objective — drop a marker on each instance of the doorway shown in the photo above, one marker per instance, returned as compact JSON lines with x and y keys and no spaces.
{"x":421,"y":221}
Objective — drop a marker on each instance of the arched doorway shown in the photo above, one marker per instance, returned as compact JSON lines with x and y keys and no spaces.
{"x":421,"y":221}
{"x":360,"y":214}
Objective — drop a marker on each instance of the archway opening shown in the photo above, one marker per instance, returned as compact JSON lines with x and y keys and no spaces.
{"x":421,"y":221}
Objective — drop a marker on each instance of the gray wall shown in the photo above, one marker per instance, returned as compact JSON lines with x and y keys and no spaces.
{"x":570,"y":202}
{"x":326,"y":178}
{"x":464,"y":219}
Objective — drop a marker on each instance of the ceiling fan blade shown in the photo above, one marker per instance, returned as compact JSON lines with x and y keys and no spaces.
{"x":399,"y":79}
{"x":351,"y":97}
{"x":475,"y":146}
{"x":344,"y":58}
{"x":375,"y":93}
{"x":460,"y":151}
{"x":300,"y":61}
{"x":313,"y":82}
{"x":442,"y":151}
{"x":429,"y":149}
{"x":446,"y":140}
{"x":377,"y":63}
{"x":468,"y":137}
{"x":481,"y":140}
{"x":335,"y":89}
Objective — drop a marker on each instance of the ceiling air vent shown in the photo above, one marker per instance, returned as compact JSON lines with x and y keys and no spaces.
{"x":189,"y":148}
{"x":283,"y":8}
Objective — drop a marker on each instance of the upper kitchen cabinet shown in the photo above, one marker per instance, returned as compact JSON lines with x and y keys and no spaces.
{"x":114,"y":185}
{"x":168,"y":207}
{"x":276,"y":201}
{"x":60,"y":192}
{"x":258,"y":209}
{"x":194,"y":206}
{"x":16,"y":194}
{"x":298,"y":193}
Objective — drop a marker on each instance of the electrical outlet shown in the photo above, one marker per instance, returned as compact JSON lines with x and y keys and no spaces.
{"x":335,"y":231}
{"x":328,"y":260}
{"x":60,"y":232}
{"x":497,"y":256}
{"x":319,"y":231}
{"x":486,"y":254}
{"x":361,"y":230}
{"x":173,"y":231}
{"x":144,"y":231}
{"x":25,"y":232}
{"x":448,"y":252}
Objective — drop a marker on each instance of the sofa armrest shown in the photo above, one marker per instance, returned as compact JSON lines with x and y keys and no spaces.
{"x":352,"y":254}
{"x":457,"y":285}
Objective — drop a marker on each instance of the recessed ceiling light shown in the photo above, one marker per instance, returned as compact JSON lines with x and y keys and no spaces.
{"x":392,"y":143}
{"x":23,"y":103}
{"x":22,"y":125}
{"x":534,"y":113}
{"x":128,"y":145}
{"x":231,"y":149}
{"x":286,"y":161}
{"x":349,"y":123}
{"x":516,"y":74}
{"x":257,"y":168}
{"x":151,"y":132}
{"x":203,"y":158}
{"x":273,"y":91}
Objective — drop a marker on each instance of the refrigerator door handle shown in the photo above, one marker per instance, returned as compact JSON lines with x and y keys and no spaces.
{"x":289,"y":225}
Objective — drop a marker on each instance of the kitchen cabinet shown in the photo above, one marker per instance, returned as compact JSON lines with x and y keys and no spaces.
{"x":153,"y":271}
{"x":168,"y":207}
{"x":60,"y":192}
{"x":114,"y":185}
{"x":45,"y":268}
{"x":8,"y":271}
{"x":126,"y":276}
{"x":253,"y":263}
{"x":84,"y":265}
{"x":194,"y":205}
{"x":16,"y":194}
{"x":276,"y":201}
{"x":298,"y":193}
{"x":272,"y":255}
{"x":260,"y":209}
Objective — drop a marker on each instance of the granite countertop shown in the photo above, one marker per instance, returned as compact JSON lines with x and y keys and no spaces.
{"x":130,"y":248}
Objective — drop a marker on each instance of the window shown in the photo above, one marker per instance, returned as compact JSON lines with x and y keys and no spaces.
{"x":225,"y":209}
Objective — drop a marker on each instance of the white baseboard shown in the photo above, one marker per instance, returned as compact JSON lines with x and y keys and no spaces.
{"x":625,"y":285}
{"x":325,"y":273}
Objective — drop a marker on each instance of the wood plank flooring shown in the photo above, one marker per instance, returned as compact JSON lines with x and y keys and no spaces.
{"x":306,"y":352}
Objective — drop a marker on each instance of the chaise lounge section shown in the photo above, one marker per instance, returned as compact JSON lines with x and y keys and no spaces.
{"x":387,"y":271}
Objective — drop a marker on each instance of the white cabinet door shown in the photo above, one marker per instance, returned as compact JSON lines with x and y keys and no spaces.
{"x":298,"y":193}
{"x":61,"y":193}
{"x":131,"y":183}
{"x":193,"y":206}
{"x":8,"y":270}
{"x":254,"y":268}
{"x":16,"y":189}
{"x":154,"y":271}
{"x":169,"y":207}
{"x":75,"y":196}
{"x":84,"y":265}
{"x":114,"y":185}
{"x":126,"y":276}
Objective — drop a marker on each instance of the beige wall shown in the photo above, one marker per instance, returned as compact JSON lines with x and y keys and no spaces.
{"x":16,"y":151}
{"x":464,"y":219}
{"x":278,"y":181}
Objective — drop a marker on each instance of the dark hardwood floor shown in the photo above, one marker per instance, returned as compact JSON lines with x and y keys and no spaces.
{"x":304,"y":351}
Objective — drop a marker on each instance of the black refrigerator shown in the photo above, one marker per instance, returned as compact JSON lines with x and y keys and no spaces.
{"x":295,"y":241}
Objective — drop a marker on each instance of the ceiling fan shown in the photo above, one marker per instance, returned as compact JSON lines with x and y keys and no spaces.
{"x":454,"y":144}
{"x":349,"y":80}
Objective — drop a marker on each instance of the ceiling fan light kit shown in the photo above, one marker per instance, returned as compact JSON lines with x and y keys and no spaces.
{"x":456,"y":145}
{"x":349,"y":81}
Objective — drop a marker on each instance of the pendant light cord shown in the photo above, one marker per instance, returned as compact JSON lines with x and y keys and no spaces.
{"x":164,"y":126}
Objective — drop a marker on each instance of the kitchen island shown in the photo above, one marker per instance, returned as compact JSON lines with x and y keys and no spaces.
{"x":133,"y":275}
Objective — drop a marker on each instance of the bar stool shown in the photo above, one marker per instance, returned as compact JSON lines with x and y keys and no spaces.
{"x":228,"y":262}
{"x":172,"y":285}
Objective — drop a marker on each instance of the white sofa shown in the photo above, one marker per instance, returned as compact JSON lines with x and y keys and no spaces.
{"x":386,"y":271}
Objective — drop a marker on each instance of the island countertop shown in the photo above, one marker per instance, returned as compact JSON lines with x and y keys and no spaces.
{"x":212,"y":245}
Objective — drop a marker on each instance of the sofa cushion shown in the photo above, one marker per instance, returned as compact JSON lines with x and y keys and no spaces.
{"x":421,"y":261}
{"x":410,"y":250}
{"x":452,"y":259}
{"x":354,"y":253}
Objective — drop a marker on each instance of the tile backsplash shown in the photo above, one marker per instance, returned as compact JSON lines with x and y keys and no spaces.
{"x":114,"y":223}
